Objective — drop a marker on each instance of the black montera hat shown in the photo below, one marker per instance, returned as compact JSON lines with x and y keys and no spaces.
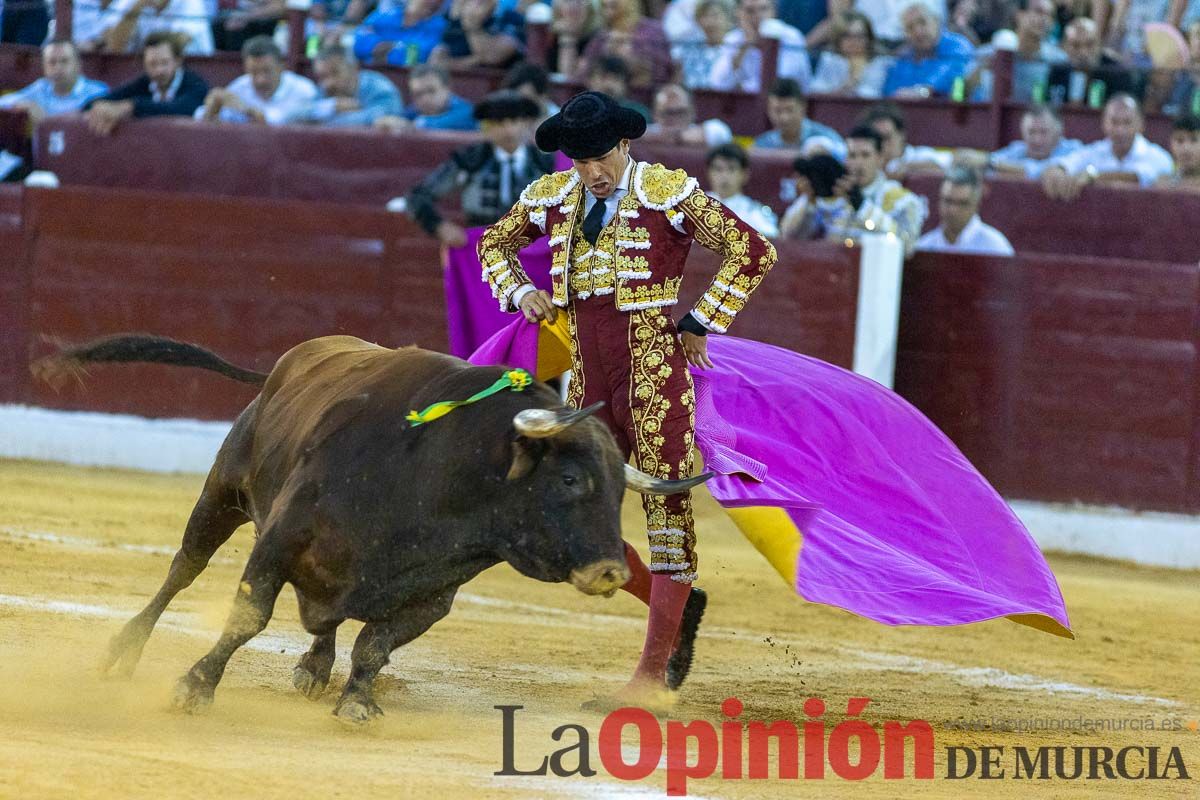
{"x":588,"y":126}
{"x":506,"y":104}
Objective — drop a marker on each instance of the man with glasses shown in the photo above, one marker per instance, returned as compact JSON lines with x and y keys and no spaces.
{"x":675,"y":121}
{"x":961,"y":230}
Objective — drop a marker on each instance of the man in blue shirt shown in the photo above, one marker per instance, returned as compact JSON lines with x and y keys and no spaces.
{"x":1041,"y":143}
{"x":434,"y":106}
{"x":400,"y":33}
{"x":60,"y":90}
{"x":481,"y":33}
{"x":349,"y":96}
{"x":931,"y":58}
{"x":787,"y":108}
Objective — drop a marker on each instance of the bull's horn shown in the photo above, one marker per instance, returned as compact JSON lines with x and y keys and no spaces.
{"x":542,"y":423}
{"x":648,"y":484}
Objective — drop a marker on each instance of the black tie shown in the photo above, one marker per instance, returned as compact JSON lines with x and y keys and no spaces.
{"x":593,"y":222}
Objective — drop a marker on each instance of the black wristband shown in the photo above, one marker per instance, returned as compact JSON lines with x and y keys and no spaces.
{"x":690,"y":324}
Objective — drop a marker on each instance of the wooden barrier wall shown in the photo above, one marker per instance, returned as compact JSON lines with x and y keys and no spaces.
{"x":363,"y":167}
{"x":1062,"y":377}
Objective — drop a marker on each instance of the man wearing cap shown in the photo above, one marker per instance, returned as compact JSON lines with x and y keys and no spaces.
{"x":620,"y":231}
{"x":490,"y":175}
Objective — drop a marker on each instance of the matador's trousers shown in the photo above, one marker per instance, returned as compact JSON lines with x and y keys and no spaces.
{"x":634,"y":362}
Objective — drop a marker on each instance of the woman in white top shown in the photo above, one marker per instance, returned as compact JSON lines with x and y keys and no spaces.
{"x":852,"y":67}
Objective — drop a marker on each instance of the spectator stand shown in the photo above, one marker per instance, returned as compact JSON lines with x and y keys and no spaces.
{"x":935,"y":121}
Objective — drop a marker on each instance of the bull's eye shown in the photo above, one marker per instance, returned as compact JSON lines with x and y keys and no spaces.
{"x":569,"y":480}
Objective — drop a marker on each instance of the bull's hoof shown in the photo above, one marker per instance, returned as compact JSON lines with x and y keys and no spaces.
{"x":310,"y":685}
{"x":124,"y":652}
{"x":191,"y":696}
{"x":680,"y":662}
{"x":357,"y":711}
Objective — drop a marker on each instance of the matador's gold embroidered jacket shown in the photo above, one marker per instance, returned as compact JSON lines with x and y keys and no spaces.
{"x":662,"y":213}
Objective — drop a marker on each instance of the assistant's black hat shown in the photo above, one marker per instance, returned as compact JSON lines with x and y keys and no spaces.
{"x":506,"y":104}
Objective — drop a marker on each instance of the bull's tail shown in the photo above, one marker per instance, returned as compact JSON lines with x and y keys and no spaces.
{"x":135,"y":348}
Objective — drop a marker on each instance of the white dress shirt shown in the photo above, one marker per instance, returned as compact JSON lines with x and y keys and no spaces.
{"x":294,"y":94}
{"x":977,"y":237}
{"x":161,"y":96}
{"x":1145,"y":159}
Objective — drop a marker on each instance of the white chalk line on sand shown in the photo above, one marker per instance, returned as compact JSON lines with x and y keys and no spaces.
{"x":530,"y":613}
{"x":81,"y":543}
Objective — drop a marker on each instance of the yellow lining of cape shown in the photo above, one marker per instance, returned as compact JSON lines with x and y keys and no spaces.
{"x":554,"y":348}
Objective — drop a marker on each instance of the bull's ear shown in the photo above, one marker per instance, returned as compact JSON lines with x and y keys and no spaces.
{"x":526,"y":454}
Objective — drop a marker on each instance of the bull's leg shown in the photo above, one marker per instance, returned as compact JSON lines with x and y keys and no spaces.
{"x":252,"y":607}
{"x":217,"y":514}
{"x":375,"y":644}
{"x":311,"y":675}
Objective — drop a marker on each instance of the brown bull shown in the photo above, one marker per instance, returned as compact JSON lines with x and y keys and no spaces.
{"x":373,"y":519}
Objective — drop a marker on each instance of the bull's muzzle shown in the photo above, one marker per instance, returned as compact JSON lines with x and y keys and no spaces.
{"x":600,"y":577}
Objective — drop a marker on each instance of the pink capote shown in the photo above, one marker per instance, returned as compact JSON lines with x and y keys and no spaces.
{"x":897,"y":525}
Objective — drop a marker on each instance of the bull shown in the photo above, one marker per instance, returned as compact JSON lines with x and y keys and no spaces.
{"x":374,"y":519}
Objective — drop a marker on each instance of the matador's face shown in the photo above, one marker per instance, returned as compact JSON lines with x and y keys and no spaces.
{"x":603,"y":174}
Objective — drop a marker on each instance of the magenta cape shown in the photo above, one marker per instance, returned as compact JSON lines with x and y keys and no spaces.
{"x":856,"y":498}
{"x":472,"y":314}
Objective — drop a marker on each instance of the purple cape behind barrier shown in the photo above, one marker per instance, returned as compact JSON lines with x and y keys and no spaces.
{"x":472,"y":314}
{"x":897,"y":525}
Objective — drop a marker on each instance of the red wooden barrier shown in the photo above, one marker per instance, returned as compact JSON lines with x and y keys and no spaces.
{"x":15,"y":277}
{"x":249,"y":278}
{"x":15,"y":132}
{"x":1062,"y":378}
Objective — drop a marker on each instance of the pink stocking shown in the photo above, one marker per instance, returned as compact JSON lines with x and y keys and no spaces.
{"x":667,"y":599}
{"x":638,"y":584}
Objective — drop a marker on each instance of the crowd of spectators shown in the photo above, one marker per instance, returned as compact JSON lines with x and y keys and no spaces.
{"x":842,"y":183}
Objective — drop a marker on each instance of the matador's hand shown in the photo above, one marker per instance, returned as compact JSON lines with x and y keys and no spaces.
{"x":537,"y":306}
{"x":695,"y":349}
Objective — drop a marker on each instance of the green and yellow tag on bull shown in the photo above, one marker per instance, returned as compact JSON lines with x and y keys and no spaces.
{"x":514,"y":380}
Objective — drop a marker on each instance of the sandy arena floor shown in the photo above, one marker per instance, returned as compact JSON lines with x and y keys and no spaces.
{"x":82,"y":550}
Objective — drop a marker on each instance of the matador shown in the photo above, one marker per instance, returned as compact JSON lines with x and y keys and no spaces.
{"x":620,"y":231}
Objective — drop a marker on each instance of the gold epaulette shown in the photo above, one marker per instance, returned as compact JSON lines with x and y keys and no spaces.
{"x":550,"y":190}
{"x":660,"y":188}
{"x":892,"y":195}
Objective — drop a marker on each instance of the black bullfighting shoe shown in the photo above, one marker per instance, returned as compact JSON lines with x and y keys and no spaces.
{"x":680,"y":661}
